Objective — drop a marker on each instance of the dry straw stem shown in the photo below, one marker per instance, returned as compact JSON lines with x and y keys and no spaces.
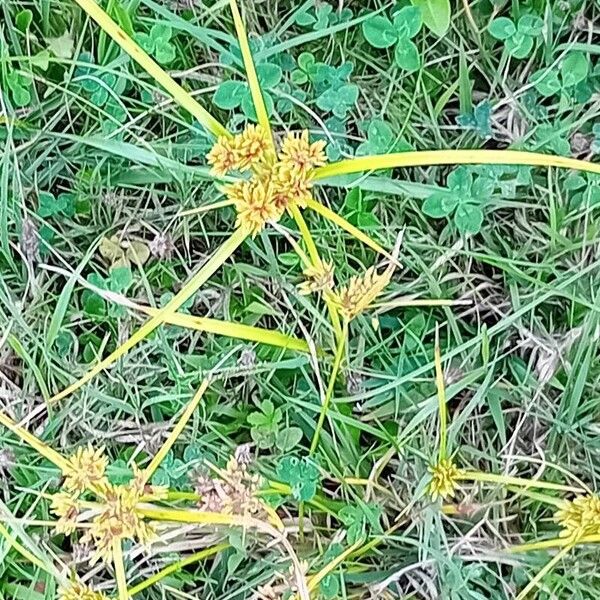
{"x":188,"y":290}
{"x":181,"y":96}
{"x":212,"y":518}
{"x":177,"y":566}
{"x":428,"y":158}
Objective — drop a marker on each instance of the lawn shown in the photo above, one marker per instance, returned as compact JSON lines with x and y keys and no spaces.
{"x":299,"y":300}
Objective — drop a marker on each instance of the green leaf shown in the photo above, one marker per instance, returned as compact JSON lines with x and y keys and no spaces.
{"x":120,"y":279}
{"x":379,"y":32}
{"x":502,"y":28}
{"x":161,"y":33}
{"x":23,"y":20}
{"x":436,"y":15}
{"x":519,"y":45}
{"x":574,"y":68}
{"x":164,"y":52}
{"x":407,"y":56}
{"x":269,"y":75}
{"x":530,"y":25}
{"x":330,"y":586}
{"x":145,"y":41}
{"x":301,"y":474}
{"x":439,"y":205}
{"x":288,"y":438}
{"x":461,"y":180}
{"x":546,"y":82}
{"x":229,"y":94}
{"x":408,"y":22}
{"x":62,"y":47}
{"x":468,"y":218}
{"x":41,"y":60}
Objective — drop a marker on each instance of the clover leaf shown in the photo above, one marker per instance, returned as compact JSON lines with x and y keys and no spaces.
{"x":358,"y":518}
{"x":50,"y":206}
{"x":321,"y":16}
{"x":100,"y":85}
{"x":19,"y":85}
{"x":573,"y":70}
{"x":518,"y":38}
{"x":158,"y":43}
{"x":461,"y":200}
{"x":301,"y":474}
{"x":479,"y":120}
{"x":381,"y":32}
{"x":233,"y":94}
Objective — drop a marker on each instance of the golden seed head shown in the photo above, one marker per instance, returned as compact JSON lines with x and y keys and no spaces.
{"x":67,"y":508}
{"x":275,"y":186}
{"x":444,"y":479}
{"x":579,"y":517}
{"x":79,"y":591}
{"x":361,"y":292}
{"x":118,"y":520}
{"x":87,"y":469}
{"x":301,"y":155}
{"x":319,"y":278}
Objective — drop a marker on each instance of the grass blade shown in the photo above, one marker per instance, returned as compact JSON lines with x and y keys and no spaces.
{"x":452,"y":157}
{"x":233,"y":330}
{"x":441,"y":392}
{"x":190,"y":288}
{"x":14,"y":543}
{"x":328,"y":214}
{"x":117,"y":555}
{"x":52,"y":455}
{"x":316,"y":579}
{"x":176,"y":432}
{"x":252,"y":77}
{"x":181,"y":96}
{"x":177,"y":566}
{"x":517,"y":481}
{"x":547,"y":568}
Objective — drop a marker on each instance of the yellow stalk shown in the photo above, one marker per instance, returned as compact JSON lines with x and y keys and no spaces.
{"x":452,"y":157}
{"x":328,"y":214}
{"x":337,"y":361}
{"x":117,"y":556}
{"x":316,"y":261}
{"x":174,"y":435}
{"x":537,"y":496}
{"x":177,"y":566}
{"x":181,"y":96}
{"x":534,"y":582}
{"x":52,"y":455}
{"x":230,"y":329}
{"x":188,"y":290}
{"x":411,"y":302}
{"x":207,"y":208}
{"x":251,"y":76}
{"x":441,"y":393}
{"x":558,"y":542}
{"x":315,"y":580}
{"x":516,"y":481}
{"x":14,"y":543}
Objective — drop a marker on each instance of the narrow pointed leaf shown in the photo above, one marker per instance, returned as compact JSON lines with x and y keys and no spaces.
{"x":181,"y":96}
{"x":188,"y":290}
{"x":441,"y":392}
{"x":117,"y":555}
{"x":257,"y":96}
{"x":452,"y":157}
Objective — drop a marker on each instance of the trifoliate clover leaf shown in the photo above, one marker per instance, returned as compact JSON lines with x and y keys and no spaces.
{"x":301,"y":474}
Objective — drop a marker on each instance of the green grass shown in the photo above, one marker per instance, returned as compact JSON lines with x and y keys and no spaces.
{"x":520,"y":353}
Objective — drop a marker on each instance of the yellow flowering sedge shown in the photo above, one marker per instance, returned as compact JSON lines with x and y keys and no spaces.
{"x":445,"y":477}
{"x":79,"y":591}
{"x":319,"y":278}
{"x":86,"y":470}
{"x":579,"y":517}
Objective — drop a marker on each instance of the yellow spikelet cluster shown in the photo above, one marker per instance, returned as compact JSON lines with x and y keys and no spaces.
{"x":79,"y":591}
{"x":277,"y":183}
{"x":319,"y":278}
{"x":118,"y":517}
{"x":444,"y":479}
{"x":361,"y":292}
{"x":579,"y":517}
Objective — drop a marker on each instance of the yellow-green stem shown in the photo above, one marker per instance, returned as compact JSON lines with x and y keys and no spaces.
{"x":117,"y":555}
{"x":516,"y":481}
{"x":14,"y":543}
{"x":429,"y":158}
{"x":188,"y":290}
{"x":177,"y":566}
{"x":337,"y":361}
{"x":174,"y":435}
{"x":547,"y":568}
{"x":441,"y":392}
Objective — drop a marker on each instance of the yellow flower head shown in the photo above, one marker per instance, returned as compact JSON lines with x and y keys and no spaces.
{"x":86,"y":470}
{"x":319,"y":278}
{"x":79,"y":591}
{"x":253,"y":145}
{"x":301,"y":155}
{"x":579,"y":517}
{"x":118,"y":520}
{"x":254,"y":203}
{"x":361,"y":292}
{"x":67,"y":508}
{"x":444,"y":480}
{"x":224,"y":156}
{"x":289,"y":188}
